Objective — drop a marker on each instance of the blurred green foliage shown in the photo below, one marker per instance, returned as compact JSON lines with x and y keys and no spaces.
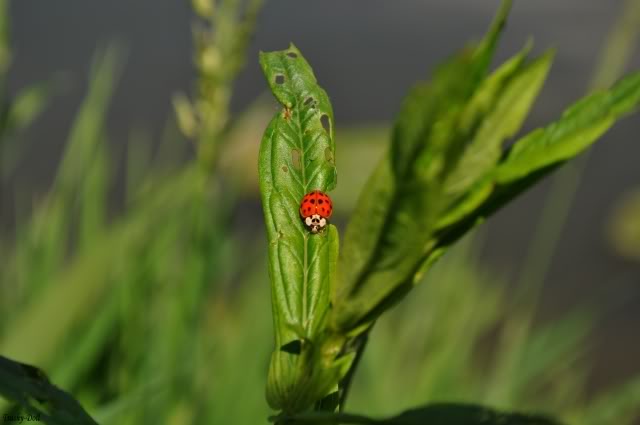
{"x":624,"y":226}
{"x":158,"y":314}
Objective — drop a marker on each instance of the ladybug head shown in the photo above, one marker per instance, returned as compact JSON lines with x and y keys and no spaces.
{"x":315,"y":223}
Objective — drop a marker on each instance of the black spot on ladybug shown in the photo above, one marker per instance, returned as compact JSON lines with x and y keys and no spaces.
{"x":320,"y":201}
{"x":313,"y":201}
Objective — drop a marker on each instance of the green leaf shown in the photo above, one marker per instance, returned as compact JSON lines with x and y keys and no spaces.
{"x":503,"y":101}
{"x":30,"y":388}
{"x":435,"y":414}
{"x":398,"y":210}
{"x":446,"y":171}
{"x":542,"y":151}
{"x":87,"y":131}
{"x":297,"y":156}
{"x":505,"y":97}
{"x":579,"y":127}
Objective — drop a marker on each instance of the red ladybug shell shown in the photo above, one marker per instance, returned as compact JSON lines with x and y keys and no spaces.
{"x":316,"y":202}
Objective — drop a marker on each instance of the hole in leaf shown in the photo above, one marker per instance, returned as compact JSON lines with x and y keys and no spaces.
{"x":326,"y":124}
{"x":308,"y":101}
{"x":293,"y":347}
{"x":292,"y":55}
{"x":328,"y":155}
{"x":279,"y":79}
{"x":295,"y":159}
{"x":285,"y":168}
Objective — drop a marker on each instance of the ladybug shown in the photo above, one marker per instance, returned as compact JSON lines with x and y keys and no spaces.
{"x":315,"y":209}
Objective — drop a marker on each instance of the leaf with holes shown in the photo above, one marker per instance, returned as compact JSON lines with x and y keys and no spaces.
{"x":296,"y":157}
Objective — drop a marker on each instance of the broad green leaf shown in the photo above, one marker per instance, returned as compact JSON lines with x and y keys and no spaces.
{"x":297,"y":156}
{"x":435,"y":414}
{"x":29,"y":387}
{"x":507,"y":95}
{"x":504,"y":99}
{"x":446,"y":172}
{"x":399,"y":207}
{"x":579,"y":127}
{"x":540,"y":152}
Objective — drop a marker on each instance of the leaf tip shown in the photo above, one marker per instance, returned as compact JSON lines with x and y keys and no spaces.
{"x":500,"y":20}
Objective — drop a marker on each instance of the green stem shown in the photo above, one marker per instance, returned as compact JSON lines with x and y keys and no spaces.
{"x":360,"y":343}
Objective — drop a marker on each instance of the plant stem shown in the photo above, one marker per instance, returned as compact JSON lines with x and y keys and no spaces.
{"x":358,"y":345}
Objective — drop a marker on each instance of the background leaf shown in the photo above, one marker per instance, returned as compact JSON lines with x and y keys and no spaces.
{"x":30,"y":388}
{"x":435,"y":414}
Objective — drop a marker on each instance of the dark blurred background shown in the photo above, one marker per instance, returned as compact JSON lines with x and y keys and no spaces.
{"x":366,"y":55}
